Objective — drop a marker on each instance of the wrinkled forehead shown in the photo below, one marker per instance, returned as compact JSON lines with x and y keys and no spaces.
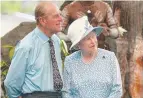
{"x":52,"y":10}
{"x":57,"y":12}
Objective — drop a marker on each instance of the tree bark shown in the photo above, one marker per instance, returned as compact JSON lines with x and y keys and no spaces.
{"x":130,"y":47}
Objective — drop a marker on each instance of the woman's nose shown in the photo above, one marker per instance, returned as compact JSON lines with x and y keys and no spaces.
{"x":92,"y":40}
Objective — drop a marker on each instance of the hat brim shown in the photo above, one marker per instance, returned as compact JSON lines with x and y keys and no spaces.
{"x":98,"y":30}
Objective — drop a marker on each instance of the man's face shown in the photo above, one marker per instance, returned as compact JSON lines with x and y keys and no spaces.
{"x":53,"y":20}
{"x":89,"y":43}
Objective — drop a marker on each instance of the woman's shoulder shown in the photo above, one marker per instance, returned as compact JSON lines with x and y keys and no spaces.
{"x":73,"y":56}
{"x":103,"y":51}
{"x":106,"y":53}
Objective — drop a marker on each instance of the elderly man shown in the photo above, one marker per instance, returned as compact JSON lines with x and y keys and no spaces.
{"x":36,"y":67}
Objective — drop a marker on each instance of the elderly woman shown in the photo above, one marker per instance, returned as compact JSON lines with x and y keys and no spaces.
{"x":90,"y":72}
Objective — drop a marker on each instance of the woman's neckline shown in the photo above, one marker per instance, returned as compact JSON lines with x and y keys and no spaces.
{"x":92,"y":59}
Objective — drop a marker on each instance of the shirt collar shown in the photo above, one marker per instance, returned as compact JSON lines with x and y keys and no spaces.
{"x":41,"y":35}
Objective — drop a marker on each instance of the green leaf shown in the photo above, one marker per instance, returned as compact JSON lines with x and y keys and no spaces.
{"x":64,"y":48}
{"x":3,"y":63}
{"x":11,"y":52}
{"x":8,"y":46}
{"x":64,"y":51}
{"x":5,"y":72}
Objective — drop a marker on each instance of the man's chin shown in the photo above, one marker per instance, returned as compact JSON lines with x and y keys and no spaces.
{"x":58,"y":30}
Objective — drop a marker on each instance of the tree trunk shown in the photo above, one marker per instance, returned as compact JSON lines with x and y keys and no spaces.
{"x":130,"y":47}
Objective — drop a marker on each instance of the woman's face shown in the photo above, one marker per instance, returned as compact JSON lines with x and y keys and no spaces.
{"x":89,"y":43}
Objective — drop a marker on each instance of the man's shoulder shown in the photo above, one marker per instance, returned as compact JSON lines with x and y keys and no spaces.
{"x":77,"y":4}
{"x":105,"y":4}
{"x":72,"y":5}
{"x":27,"y":41}
{"x":102,"y":3}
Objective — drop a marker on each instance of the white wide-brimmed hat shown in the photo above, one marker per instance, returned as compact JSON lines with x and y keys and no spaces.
{"x":81,"y":28}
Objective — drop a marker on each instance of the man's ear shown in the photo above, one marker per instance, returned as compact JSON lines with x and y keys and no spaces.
{"x":42,"y":21}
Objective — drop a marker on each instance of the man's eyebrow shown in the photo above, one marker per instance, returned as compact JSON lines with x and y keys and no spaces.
{"x":57,"y":13}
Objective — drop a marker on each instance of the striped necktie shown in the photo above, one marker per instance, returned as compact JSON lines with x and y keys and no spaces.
{"x":58,"y":84}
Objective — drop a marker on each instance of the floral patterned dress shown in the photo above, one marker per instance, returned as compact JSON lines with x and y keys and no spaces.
{"x":99,"y":79}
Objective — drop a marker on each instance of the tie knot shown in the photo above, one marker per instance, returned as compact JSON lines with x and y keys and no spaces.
{"x":50,"y":40}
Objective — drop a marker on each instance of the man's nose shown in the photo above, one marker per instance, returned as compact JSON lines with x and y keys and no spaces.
{"x":60,"y":18}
